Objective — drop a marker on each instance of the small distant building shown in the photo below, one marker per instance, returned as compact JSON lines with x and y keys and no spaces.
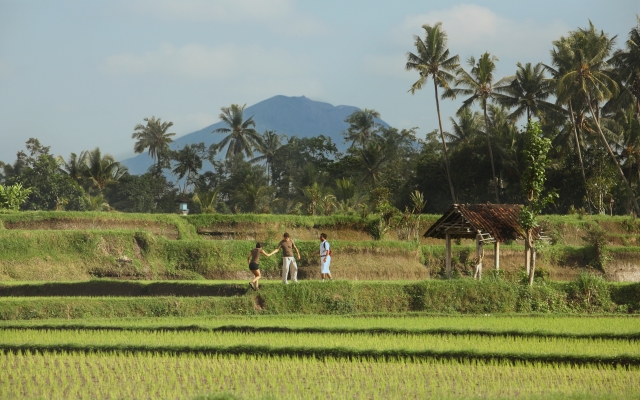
{"x":183,"y":204}
{"x":486,"y":223}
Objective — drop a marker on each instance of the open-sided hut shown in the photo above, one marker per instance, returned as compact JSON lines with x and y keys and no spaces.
{"x":486,"y":223}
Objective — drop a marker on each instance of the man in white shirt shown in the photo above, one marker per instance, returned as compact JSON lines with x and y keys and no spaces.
{"x":325,"y":257}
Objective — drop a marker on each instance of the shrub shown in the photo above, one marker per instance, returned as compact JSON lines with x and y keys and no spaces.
{"x":590,"y":293}
{"x":596,"y":238}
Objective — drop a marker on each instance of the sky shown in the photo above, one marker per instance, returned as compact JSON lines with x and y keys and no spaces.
{"x":81,"y":74}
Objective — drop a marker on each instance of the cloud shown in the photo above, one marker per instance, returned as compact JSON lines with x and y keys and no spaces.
{"x":389,"y":65}
{"x":473,"y":29}
{"x":281,"y":16}
{"x":247,"y":70}
{"x":197,"y":61}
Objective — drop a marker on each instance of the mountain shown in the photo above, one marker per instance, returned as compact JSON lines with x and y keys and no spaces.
{"x":298,"y":116}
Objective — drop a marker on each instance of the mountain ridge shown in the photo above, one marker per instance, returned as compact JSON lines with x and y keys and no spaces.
{"x":299,"y":116}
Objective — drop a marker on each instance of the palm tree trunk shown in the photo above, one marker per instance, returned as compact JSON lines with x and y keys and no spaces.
{"x":493,"y":168}
{"x":444,"y":145}
{"x":575,"y":134}
{"x":615,"y":161}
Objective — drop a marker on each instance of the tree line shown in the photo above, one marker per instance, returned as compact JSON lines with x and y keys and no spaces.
{"x":585,"y":100}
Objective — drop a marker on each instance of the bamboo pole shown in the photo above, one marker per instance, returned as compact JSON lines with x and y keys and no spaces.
{"x":448,"y":256}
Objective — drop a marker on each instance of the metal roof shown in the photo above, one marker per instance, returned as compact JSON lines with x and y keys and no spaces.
{"x":496,"y":222}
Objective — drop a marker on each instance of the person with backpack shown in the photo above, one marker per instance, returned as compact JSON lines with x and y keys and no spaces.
{"x":325,"y":257}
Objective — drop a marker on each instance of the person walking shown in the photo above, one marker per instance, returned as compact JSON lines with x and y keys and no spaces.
{"x":288,"y":261}
{"x":325,"y":257}
{"x":254,"y":267}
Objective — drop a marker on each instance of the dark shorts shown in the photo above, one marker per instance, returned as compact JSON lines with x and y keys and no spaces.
{"x":254,"y":266}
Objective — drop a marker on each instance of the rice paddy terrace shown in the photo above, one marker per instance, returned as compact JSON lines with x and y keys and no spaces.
{"x":108,"y":305}
{"x":49,"y":246}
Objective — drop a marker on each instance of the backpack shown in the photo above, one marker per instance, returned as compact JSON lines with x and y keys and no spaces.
{"x":329,"y":252}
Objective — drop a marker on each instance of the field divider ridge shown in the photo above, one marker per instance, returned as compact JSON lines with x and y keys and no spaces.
{"x":624,"y":360}
{"x":333,"y":330}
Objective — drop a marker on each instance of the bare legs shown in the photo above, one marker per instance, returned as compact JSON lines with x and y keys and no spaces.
{"x":254,"y":282}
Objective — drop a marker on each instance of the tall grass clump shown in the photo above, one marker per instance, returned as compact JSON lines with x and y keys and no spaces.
{"x":589,"y":293}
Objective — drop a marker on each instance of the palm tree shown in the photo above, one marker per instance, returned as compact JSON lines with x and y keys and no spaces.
{"x":361,"y":126}
{"x":254,"y":196}
{"x":433,"y":61}
{"x":271,"y":142}
{"x":313,"y":193}
{"x":562,"y":58}
{"x":527,"y":92}
{"x":627,"y":63}
{"x":588,"y":78}
{"x":75,"y":166}
{"x":188,"y":162}
{"x":628,"y":126}
{"x":154,"y":137}
{"x":346,"y":189}
{"x":207,"y":200}
{"x":468,"y":125}
{"x":371,"y":159}
{"x":242,"y":138}
{"x":102,"y":169}
{"x":479,"y":86}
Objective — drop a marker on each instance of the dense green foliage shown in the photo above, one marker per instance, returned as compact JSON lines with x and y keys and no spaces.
{"x":587,"y":107}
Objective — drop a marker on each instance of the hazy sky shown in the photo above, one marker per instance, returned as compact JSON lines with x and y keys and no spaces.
{"x":81,"y":74}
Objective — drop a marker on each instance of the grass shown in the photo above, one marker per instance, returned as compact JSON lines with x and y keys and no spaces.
{"x":250,"y":377}
{"x":545,"y":325}
{"x":74,"y":300}
{"x":158,"y":223}
{"x":76,"y":245}
{"x":622,"y":328}
{"x":332,"y":344}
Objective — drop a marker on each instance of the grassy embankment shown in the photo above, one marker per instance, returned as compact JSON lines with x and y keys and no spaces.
{"x":81,"y":246}
{"x":139,"y":299}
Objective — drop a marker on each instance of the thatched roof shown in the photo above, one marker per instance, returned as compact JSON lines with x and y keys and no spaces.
{"x":496,"y":222}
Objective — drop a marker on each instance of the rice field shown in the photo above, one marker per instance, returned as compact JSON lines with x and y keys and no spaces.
{"x":153,"y":376}
{"x":354,"y":342}
{"x":322,"y":357}
{"x":542,"y":324}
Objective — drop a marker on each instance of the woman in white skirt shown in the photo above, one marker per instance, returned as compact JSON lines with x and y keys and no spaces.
{"x":325,"y":257}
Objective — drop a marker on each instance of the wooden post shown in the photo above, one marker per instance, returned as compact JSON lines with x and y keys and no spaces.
{"x":448,"y":256}
{"x":527,"y":254}
{"x":496,"y":252}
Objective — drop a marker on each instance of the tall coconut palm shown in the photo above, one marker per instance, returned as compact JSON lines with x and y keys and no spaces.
{"x":627,"y":63}
{"x":102,"y":169}
{"x":589,"y":78}
{"x":562,"y":57}
{"x":478,"y":84}
{"x":433,"y":61}
{"x":154,"y":137}
{"x":242,"y":137}
{"x":188,"y":163}
{"x":361,"y":126}
{"x":271,"y":142}
{"x":527,"y":93}
{"x":630,"y":129}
